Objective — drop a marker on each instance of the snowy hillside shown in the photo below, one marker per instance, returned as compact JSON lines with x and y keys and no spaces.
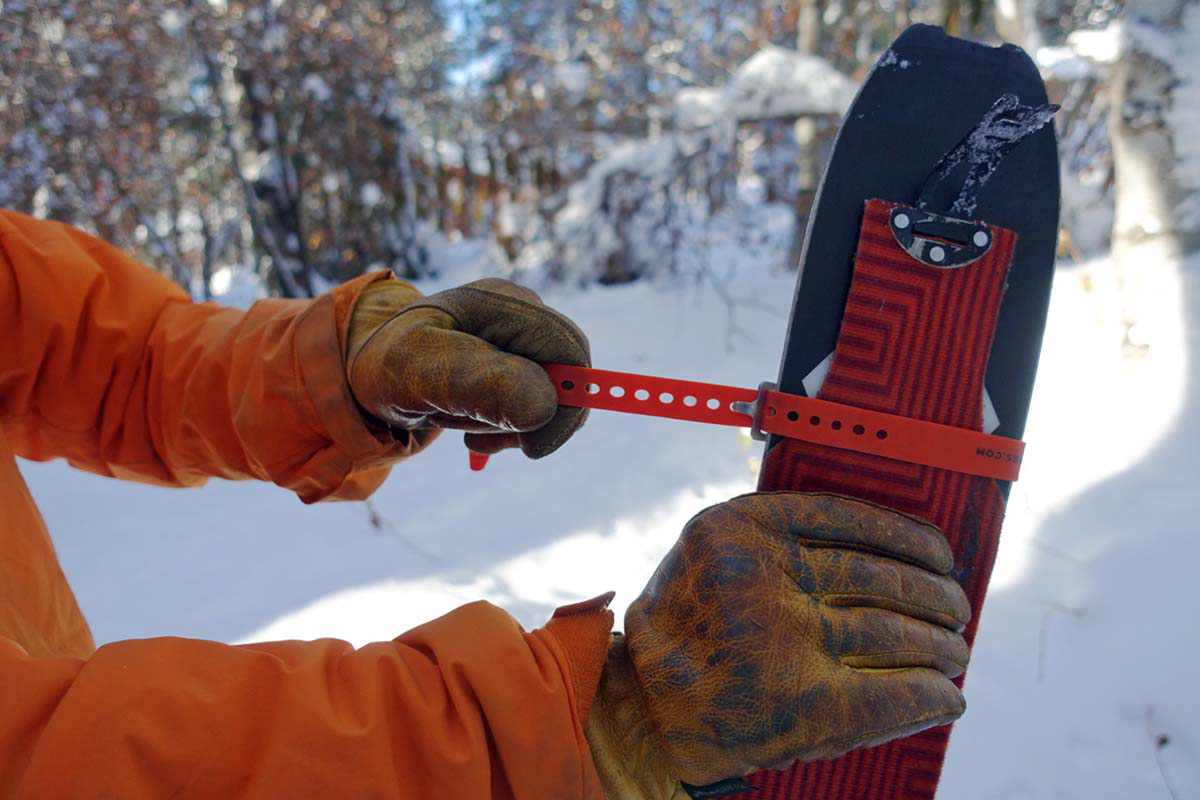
{"x":1083,"y":681}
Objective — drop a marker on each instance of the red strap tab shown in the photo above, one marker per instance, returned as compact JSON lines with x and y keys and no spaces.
{"x":583,"y":387}
{"x":804,"y":418}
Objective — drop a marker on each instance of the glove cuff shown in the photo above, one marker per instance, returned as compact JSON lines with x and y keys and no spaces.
{"x":628,"y":758}
{"x":583,"y":631}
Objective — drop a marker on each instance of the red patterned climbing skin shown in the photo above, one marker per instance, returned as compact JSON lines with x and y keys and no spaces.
{"x":914,"y":341}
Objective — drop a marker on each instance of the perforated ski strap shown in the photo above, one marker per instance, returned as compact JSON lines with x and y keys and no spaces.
{"x":914,"y":342}
{"x":804,"y":418}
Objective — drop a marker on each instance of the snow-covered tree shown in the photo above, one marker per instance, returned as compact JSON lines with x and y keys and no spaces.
{"x":1155,"y":124}
{"x":274,"y":138}
{"x":300,"y":143}
{"x":318,"y":101}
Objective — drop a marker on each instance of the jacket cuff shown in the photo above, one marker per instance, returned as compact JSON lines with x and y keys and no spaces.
{"x":583,"y":631}
{"x":361,"y":454}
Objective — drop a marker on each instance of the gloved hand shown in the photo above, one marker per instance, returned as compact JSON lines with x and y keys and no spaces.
{"x":466,"y":358}
{"x":780,"y":627}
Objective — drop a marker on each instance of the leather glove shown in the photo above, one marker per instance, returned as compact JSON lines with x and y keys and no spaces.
{"x":466,"y":358}
{"x":780,"y":627}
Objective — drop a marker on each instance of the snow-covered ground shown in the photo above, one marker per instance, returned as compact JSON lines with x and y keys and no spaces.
{"x":1084,"y":680}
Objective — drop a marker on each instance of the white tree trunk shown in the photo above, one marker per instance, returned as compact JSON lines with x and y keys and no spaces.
{"x":1154,"y":124}
{"x":808,"y":168}
{"x":1015,"y":23}
{"x":1155,"y":187}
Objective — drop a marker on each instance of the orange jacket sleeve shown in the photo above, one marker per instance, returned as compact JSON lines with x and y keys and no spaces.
{"x":466,"y":706}
{"x":110,"y":365}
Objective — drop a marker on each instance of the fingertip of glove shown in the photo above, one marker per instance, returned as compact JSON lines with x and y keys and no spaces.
{"x":547,"y":439}
{"x":506,"y":288}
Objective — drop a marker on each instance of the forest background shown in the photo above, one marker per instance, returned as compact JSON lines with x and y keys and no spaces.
{"x":283,"y":147}
{"x":649,"y":167}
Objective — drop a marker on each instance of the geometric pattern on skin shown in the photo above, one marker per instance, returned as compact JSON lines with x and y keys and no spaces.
{"x":914,"y":341}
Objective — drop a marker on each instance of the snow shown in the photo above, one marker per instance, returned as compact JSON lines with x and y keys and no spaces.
{"x":645,"y":157}
{"x":778,"y":82}
{"x":1184,"y":117}
{"x":1107,"y":45}
{"x":449,"y":154}
{"x":1087,"y":647}
{"x":236,"y":286}
{"x":1150,"y":39}
{"x":275,"y":39}
{"x":698,"y":107}
{"x":316,"y":88}
{"x":890,"y":59}
{"x":172,"y":21}
{"x":573,"y":78}
{"x":774,"y":82}
{"x":1007,"y":122}
{"x":1063,"y":64}
{"x":1102,"y":46}
{"x":369,"y":194}
{"x":1176,"y":49}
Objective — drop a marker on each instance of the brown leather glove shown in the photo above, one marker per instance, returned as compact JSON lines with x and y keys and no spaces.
{"x":780,"y":627}
{"x":466,"y":358}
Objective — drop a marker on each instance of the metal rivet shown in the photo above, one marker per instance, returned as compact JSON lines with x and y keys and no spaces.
{"x":980,"y":238}
{"x":901,"y":221}
{"x":937,"y":253}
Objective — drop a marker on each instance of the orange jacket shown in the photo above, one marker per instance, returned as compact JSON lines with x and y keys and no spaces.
{"x":106,"y":363}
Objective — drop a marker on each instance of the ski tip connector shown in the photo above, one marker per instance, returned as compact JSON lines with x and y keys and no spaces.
{"x":477,"y":460}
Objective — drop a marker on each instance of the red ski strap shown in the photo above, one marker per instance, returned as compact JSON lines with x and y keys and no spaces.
{"x":793,"y":416}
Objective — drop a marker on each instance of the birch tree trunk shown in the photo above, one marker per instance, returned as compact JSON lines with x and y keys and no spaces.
{"x":1015,"y":23}
{"x":1156,"y":190}
{"x":808,"y":172}
{"x":1154,"y":124}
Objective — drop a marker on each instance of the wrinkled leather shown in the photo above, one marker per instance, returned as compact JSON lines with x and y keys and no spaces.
{"x":466,"y":358}
{"x":780,"y":627}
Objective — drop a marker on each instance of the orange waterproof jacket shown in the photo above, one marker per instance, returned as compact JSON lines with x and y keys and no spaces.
{"x":106,"y":363}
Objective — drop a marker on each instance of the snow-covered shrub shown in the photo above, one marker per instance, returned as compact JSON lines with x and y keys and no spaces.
{"x":634,"y":211}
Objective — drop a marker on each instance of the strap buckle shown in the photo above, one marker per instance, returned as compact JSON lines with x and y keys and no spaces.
{"x":755,"y":410}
